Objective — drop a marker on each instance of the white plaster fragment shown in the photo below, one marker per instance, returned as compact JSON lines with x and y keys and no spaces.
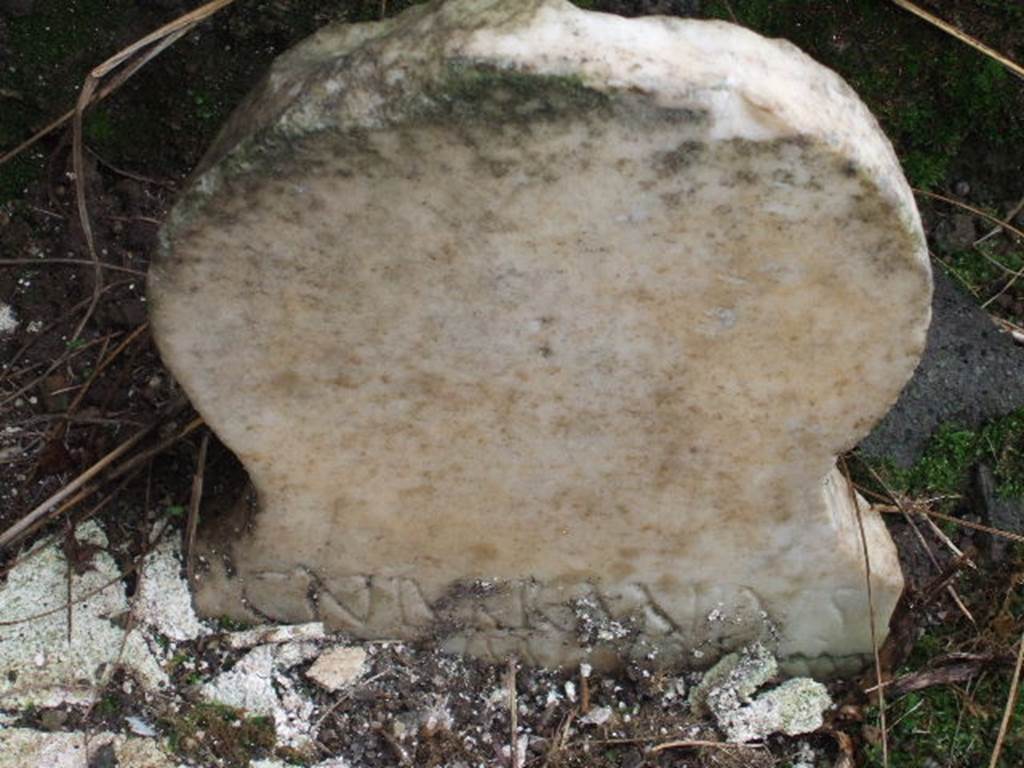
{"x":256,"y":685}
{"x":29,"y":748}
{"x":164,"y":601}
{"x":795,"y":707}
{"x":37,"y":663}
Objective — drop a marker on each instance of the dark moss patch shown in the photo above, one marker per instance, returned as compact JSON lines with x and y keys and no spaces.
{"x":165,"y":116}
{"x":484,"y":94}
{"x":951,"y":455}
{"x":213,"y":734}
{"x":949,"y":110}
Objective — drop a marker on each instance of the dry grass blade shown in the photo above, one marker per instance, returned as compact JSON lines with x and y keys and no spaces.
{"x":513,"y":716}
{"x":71,"y":262}
{"x":1011,"y":702}
{"x":16,"y":531}
{"x":155,"y":42}
{"x":162,"y":38}
{"x":1015,"y":275}
{"x":78,"y":162}
{"x":193,"y":508}
{"x":957,"y":521}
{"x":49,"y":509}
{"x":871,"y":613}
{"x":962,"y":36}
{"x":698,"y":744}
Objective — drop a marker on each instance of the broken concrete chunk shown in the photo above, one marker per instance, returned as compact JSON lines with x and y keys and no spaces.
{"x":733,"y":680}
{"x":163,"y":600}
{"x":38,"y":664}
{"x":575,"y":306}
{"x":337,"y":668}
{"x":728,"y":690}
{"x":797,"y":706}
{"x":27,"y":748}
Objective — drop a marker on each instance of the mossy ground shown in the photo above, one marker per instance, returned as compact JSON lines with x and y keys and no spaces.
{"x":951,"y":456}
{"x":213,"y":734}
{"x":955,"y":725}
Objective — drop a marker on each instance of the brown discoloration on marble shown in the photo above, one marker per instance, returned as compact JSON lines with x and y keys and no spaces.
{"x":586,"y":329}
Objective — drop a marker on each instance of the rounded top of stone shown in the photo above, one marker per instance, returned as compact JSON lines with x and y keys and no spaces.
{"x":364,"y":76}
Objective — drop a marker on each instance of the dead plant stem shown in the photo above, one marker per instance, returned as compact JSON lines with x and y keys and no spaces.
{"x":1011,"y":703}
{"x":193,"y":508}
{"x":962,"y":36}
{"x":871,"y":613}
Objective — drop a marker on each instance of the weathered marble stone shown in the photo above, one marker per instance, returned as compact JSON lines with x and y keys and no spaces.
{"x":539,"y":331}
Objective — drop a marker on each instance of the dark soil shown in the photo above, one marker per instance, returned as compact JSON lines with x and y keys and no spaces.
{"x":956,"y":118}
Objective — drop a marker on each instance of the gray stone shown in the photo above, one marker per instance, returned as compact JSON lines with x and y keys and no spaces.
{"x":338,"y":667}
{"x":1004,"y":513}
{"x":795,"y":707}
{"x":539,"y":330}
{"x":971,"y":372}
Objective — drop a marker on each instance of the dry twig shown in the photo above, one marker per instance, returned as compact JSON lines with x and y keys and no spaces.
{"x":1008,"y":220}
{"x":950,"y":589}
{"x":962,"y":36}
{"x":513,"y":715}
{"x":193,"y":508}
{"x":1011,"y":702}
{"x":957,"y":521}
{"x":49,"y":509}
{"x":871,"y":612}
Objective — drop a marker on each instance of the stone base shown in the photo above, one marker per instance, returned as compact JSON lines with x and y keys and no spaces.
{"x":605,"y":623}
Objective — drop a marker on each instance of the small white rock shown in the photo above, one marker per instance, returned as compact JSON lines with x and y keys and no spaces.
{"x":597,"y":716}
{"x":8,"y":322}
{"x":338,"y":667}
{"x":140,"y":727}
